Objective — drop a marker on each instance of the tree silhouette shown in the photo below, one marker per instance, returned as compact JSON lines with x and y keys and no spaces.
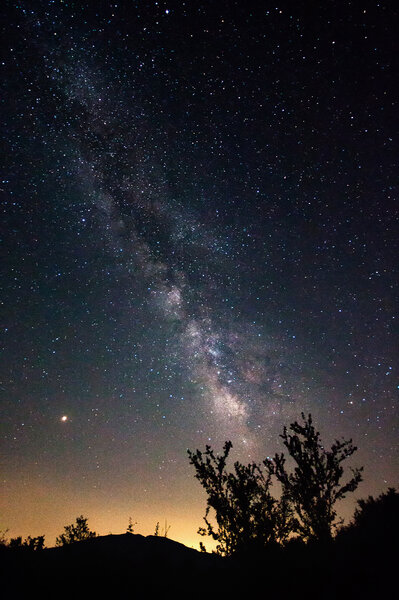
{"x":314,"y":486}
{"x":30,"y":543}
{"x":247,"y":515}
{"x":376,"y":520}
{"x":374,"y":510}
{"x":76,"y":532}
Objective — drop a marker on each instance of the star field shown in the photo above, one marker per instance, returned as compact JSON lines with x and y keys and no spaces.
{"x":199,"y":241}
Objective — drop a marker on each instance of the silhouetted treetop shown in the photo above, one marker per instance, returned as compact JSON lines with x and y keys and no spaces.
{"x":30,"y":543}
{"x":376,"y":519}
{"x":246,"y":514}
{"x":76,"y":532}
{"x":315,"y":485}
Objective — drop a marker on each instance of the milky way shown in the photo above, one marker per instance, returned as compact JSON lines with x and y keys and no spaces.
{"x":186,"y":268}
{"x":200,"y":244}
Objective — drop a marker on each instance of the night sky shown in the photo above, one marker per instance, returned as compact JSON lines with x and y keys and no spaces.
{"x":199,"y":243}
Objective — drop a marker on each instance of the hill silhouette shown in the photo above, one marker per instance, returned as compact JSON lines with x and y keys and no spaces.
{"x":132,"y":565}
{"x":135,"y":548}
{"x":112,"y":563}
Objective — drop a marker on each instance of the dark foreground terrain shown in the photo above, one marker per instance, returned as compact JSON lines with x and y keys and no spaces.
{"x":133,"y":566}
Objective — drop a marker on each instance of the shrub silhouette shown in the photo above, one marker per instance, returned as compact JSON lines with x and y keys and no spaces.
{"x":76,"y":532}
{"x":162,"y":533}
{"x":376,"y":520}
{"x":3,"y":537}
{"x":314,"y":487}
{"x":247,"y":515}
{"x":131,"y":526}
{"x":30,"y":543}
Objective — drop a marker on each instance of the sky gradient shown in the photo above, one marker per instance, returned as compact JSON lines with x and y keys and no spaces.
{"x":199,"y":241}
